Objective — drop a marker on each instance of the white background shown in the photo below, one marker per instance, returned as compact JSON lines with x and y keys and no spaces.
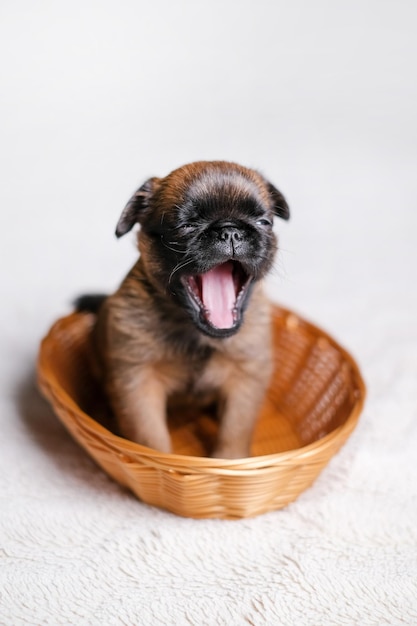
{"x":320,"y":96}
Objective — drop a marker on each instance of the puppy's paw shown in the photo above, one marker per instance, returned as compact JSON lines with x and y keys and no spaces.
{"x":230,"y":452}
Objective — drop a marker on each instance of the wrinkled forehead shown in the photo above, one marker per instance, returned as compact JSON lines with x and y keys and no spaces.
{"x":213,"y":189}
{"x":228,"y":187}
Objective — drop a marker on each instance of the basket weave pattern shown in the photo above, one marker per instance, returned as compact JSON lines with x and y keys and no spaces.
{"x":312,"y":406}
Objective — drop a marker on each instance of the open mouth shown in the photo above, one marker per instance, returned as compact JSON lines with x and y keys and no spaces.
{"x":219,"y":294}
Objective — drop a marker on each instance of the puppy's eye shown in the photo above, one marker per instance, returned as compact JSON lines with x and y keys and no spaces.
{"x":263,"y":222}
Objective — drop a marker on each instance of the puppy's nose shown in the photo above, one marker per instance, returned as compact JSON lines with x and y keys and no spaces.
{"x":229,"y":233}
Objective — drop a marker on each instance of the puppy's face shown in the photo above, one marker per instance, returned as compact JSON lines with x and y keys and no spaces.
{"x":206,"y":237}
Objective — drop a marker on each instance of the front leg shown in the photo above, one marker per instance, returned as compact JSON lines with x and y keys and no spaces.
{"x":238,"y":412}
{"x":139,"y":403}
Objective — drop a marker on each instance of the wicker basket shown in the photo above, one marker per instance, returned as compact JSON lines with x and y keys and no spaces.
{"x":312,"y":406}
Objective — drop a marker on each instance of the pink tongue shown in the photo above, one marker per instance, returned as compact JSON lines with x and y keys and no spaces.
{"x":218,"y":295}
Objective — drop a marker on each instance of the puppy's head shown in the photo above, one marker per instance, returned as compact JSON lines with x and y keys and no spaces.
{"x":206,"y":237}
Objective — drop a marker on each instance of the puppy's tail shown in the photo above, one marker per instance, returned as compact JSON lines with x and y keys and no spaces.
{"x":89,"y":303}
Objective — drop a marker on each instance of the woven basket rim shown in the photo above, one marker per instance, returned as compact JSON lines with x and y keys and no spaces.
{"x":200,"y":464}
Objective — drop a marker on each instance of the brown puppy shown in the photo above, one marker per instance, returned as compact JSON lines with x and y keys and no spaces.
{"x":191,"y":317}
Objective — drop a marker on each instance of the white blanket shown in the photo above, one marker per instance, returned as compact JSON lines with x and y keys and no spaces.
{"x":96,"y":97}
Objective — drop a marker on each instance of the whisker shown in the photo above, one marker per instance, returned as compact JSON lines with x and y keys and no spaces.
{"x":174,"y":243}
{"x":174,"y":249}
{"x":278,"y":269}
{"x":178,"y":267}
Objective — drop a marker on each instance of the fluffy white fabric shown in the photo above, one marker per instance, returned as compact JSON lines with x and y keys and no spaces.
{"x":321,"y":97}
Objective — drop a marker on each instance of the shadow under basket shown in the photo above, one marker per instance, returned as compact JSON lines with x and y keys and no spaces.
{"x":312,"y":406}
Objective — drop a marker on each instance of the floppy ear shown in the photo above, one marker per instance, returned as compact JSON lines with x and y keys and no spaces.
{"x":279,"y":203}
{"x":135,"y":208}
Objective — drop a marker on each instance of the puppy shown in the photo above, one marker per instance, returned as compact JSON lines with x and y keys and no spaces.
{"x":191,"y":317}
